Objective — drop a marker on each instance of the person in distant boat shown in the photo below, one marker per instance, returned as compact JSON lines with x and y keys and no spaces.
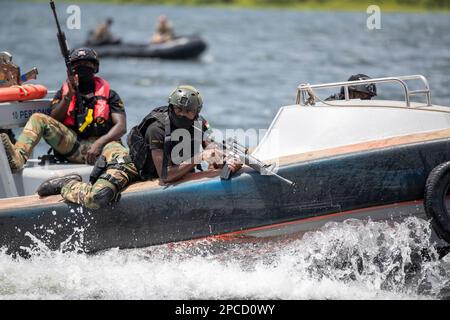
{"x":80,"y":133}
{"x":361,"y":91}
{"x":166,"y":144}
{"x":164,"y":31}
{"x":102,"y":34}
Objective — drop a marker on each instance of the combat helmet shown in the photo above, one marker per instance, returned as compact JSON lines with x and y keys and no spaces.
{"x":85,"y":54}
{"x":186,"y":97}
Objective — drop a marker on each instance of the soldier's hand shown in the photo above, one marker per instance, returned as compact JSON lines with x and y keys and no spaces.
{"x":234,"y":164}
{"x":94,"y":151}
{"x":73,"y":82}
{"x":213,"y":155}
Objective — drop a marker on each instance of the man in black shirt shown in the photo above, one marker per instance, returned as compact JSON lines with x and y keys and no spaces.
{"x":167,"y":143}
{"x":80,"y":132}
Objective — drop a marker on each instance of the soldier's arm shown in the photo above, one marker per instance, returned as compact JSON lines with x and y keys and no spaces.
{"x":115,"y":133}
{"x":60,"y":110}
{"x":119,"y":128}
{"x":61,"y":103}
{"x":175,"y":172}
{"x":119,"y":120}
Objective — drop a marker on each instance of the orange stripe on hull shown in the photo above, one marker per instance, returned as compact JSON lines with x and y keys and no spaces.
{"x":225,"y":236}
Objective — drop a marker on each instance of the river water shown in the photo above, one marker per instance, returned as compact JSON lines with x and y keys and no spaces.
{"x":255,"y":60}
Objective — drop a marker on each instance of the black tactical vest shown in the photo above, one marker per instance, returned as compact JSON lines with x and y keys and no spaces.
{"x":140,"y":152}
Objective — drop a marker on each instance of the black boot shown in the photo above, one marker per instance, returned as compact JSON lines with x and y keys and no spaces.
{"x":53,"y":186}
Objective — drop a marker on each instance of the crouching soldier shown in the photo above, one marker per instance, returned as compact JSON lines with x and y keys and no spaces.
{"x":166,"y":144}
{"x":80,"y":131}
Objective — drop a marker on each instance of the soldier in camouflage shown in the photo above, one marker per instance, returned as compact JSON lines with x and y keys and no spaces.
{"x":80,"y":136}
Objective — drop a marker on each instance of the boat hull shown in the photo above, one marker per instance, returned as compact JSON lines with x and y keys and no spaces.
{"x":326,"y":189}
{"x":181,"y":48}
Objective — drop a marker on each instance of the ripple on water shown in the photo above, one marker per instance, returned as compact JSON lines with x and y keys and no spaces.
{"x":350,"y":260}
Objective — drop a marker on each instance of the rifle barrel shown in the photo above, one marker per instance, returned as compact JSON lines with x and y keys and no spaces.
{"x":52,"y":5}
{"x":64,"y":47}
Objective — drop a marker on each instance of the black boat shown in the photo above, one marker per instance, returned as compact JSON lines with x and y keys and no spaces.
{"x":187,"y":47}
{"x":360,"y":159}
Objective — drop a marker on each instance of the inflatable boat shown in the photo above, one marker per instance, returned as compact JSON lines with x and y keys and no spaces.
{"x":188,"y":47}
{"x":378,"y":159}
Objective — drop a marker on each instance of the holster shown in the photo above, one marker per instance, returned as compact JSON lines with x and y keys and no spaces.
{"x":99,"y":167}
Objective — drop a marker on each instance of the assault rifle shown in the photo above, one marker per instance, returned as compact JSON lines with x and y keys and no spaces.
{"x":235,"y":149}
{"x":62,"y":40}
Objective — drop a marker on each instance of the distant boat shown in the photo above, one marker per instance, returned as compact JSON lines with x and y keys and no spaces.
{"x":184,"y":47}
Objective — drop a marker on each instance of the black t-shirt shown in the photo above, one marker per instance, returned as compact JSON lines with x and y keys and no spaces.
{"x":155,"y":135}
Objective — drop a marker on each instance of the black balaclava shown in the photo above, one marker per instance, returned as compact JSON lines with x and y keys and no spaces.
{"x":86,"y":78}
{"x":180,"y":122}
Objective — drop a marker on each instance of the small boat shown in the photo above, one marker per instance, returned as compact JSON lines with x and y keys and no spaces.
{"x":188,"y":47}
{"x":377,"y":159}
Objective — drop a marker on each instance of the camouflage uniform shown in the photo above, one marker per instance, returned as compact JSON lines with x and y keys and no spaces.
{"x":62,"y":140}
{"x":10,"y":134}
{"x":98,"y":194}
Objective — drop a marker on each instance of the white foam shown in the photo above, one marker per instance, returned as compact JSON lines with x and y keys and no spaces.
{"x":350,"y":260}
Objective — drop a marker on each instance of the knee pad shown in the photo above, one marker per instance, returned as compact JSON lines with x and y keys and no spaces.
{"x":103,"y":197}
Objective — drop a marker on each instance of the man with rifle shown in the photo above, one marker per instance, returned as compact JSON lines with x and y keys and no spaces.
{"x":87,"y":121}
{"x":80,"y":133}
{"x":166,"y":144}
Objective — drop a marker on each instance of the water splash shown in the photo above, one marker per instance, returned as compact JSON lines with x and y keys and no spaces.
{"x":350,"y":260}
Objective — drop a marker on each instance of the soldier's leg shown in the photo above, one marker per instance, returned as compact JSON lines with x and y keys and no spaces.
{"x":55,"y":133}
{"x":10,"y":134}
{"x":39,"y":125}
{"x":97,"y":195}
{"x":120,"y":173}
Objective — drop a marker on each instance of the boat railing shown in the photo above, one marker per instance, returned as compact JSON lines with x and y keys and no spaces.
{"x":306,"y":95}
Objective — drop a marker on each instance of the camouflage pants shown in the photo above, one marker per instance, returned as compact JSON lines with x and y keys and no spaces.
{"x":10,"y":134}
{"x":108,"y":186}
{"x":63,"y":140}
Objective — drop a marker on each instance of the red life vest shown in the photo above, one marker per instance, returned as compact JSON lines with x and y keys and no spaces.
{"x":101,"y":108}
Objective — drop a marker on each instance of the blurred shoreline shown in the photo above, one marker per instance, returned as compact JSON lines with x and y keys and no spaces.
{"x":319,"y":5}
